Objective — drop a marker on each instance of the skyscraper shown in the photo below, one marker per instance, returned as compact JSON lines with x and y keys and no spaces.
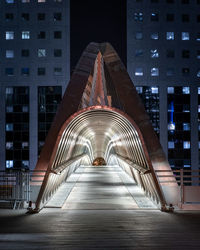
{"x":35,"y":68}
{"x":163,"y":56}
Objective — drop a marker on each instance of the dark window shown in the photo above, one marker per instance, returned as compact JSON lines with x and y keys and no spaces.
{"x":185,"y":18}
{"x":154,"y":17}
{"x":198,"y":54}
{"x":179,"y":153}
{"x":41,"y":71}
{"x":17,"y":127}
{"x":41,"y":35}
{"x":25,"y":71}
{"x":57,"y":71}
{"x":198,"y":1}
{"x":25,"y":53}
{"x":198,"y":18}
{"x":48,"y":101}
{"x":154,"y":1}
{"x":170,"y":17}
{"x":150,"y":98}
{"x":57,"y":52}
{"x":170,"y":1}
{"x":57,"y":34}
{"x":25,"y":16}
{"x":9,"y":71}
{"x":9,"y":16}
{"x":41,"y":16}
{"x":186,"y":54}
{"x":57,"y":16}
{"x":185,"y":71}
{"x":170,"y":53}
{"x":185,"y":1}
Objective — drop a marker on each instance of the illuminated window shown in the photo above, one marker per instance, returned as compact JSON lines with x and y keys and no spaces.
{"x":198,"y":37}
{"x":154,"y":53}
{"x":170,"y":144}
{"x":9,"y":35}
{"x":139,"y":72}
{"x":9,"y":1}
{"x":25,"y":1}
{"x":154,"y":71}
{"x":25,"y":34}
{"x":186,"y":126}
{"x":138,"y":53}
{"x":198,"y":73}
{"x":138,"y":16}
{"x":186,"y":144}
{"x":154,"y":90}
{"x":198,"y":54}
{"x":41,"y":1}
{"x":9,"y":127}
{"x":170,"y":90}
{"x":170,"y":35}
{"x":9,"y":145}
{"x":41,"y":52}
{"x":138,"y":36}
{"x":185,"y":36}
{"x":9,"y":53}
{"x":186,"y":90}
{"x":9,"y":164}
{"x":154,"y":36}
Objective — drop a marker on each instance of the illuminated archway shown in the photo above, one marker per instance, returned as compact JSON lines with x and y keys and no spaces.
{"x":101,"y":115}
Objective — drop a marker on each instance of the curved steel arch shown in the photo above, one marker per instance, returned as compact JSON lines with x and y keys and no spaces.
{"x":100,"y":78}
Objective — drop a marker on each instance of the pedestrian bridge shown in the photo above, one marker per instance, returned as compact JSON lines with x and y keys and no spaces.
{"x":102,"y":116}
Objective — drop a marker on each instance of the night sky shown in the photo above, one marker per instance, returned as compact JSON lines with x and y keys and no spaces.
{"x":97,"y":21}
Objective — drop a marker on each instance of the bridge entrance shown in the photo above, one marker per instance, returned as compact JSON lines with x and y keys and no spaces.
{"x":101,"y":119}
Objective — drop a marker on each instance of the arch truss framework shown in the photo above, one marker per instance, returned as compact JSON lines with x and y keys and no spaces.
{"x":101,"y":115}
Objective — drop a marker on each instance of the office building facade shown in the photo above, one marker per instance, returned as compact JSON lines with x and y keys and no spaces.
{"x":163,"y":55}
{"x":35,"y":69}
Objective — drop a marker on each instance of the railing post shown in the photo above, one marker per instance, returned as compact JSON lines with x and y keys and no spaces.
{"x":182,"y":186}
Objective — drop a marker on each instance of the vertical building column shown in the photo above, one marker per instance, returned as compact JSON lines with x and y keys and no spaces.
{"x":2,"y":128}
{"x":194,"y":128}
{"x":33,"y":127}
{"x":163,"y":119}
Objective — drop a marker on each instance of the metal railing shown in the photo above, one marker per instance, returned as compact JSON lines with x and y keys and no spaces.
{"x":16,"y":186}
{"x":188,"y":181}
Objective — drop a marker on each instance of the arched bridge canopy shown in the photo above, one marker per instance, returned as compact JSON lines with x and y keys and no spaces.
{"x":101,"y":115}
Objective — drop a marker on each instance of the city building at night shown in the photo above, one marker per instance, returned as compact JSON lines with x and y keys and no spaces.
{"x":163,"y":56}
{"x":35,"y":68}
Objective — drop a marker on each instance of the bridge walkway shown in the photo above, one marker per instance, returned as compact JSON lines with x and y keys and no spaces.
{"x":100,"y":187}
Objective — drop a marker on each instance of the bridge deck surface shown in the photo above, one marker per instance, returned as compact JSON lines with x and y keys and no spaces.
{"x":102,"y":187}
